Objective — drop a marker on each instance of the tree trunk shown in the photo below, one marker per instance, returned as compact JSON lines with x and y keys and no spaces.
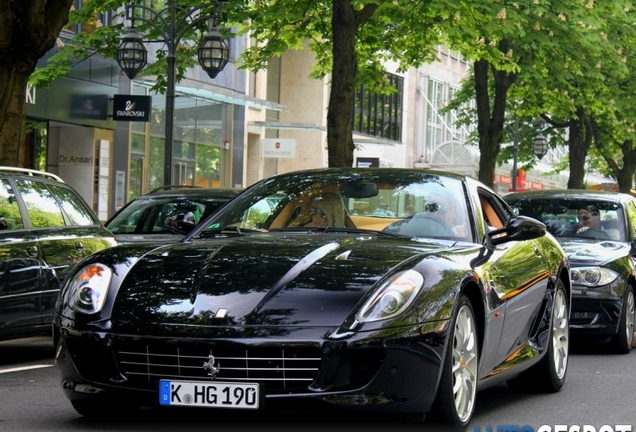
{"x":490,"y":123}
{"x":339,"y":122}
{"x":28,"y":29}
{"x":13,"y":115}
{"x":579,"y":145}
{"x":625,"y":175}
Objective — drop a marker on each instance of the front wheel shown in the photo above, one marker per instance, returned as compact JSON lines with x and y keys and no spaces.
{"x":556,"y":363}
{"x":624,"y":339}
{"x":457,"y":392}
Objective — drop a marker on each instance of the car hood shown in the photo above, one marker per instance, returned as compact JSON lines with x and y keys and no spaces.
{"x":593,"y":252}
{"x":260,"y":280}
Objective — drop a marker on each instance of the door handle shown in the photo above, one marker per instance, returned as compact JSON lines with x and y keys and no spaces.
{"x":79,"y":246}
{"x":32,"y":251}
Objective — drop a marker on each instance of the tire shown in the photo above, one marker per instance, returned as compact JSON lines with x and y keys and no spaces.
{"x":623,"y":340}
{"x":549,"y":374}
{"x":455,"y":401}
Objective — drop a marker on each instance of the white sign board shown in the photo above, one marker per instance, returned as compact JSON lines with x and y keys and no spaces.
{"x":279,"y":147}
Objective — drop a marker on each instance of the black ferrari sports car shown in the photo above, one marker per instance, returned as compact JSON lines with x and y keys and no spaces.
{"x":597,"y":230}
{"x":388,"y":290}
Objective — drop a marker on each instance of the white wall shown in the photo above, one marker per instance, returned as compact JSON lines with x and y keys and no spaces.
{"x":72,"y":157}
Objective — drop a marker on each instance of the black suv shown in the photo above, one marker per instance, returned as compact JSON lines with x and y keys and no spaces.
{"x":167,"y":213}
{"x":45,"y":227}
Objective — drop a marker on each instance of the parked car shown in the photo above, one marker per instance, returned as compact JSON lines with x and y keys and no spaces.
{"x":293,"y":291}
{"x":597,"y":230}
{"x":167,"y":213}
{"x":45,"y":227}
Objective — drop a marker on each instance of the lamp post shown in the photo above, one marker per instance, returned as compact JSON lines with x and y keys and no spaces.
{"x":539,"y":148}
{"x":213,"y":52}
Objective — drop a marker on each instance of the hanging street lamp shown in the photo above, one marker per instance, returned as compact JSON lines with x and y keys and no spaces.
{"x":213,"y":52}
{"x":539,"y":148}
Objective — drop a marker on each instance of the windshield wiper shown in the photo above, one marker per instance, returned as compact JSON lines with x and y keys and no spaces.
{"x":230,"y":229}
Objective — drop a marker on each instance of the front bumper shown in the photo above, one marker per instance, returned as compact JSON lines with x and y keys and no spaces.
{"x":595,"y":311}
{"x":364,"y":372}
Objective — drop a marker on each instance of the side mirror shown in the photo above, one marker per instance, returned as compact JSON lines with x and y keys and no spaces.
{"x":517,"y":229}
{"x":3,"y":223}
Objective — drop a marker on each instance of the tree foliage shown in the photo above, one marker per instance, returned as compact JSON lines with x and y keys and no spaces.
{"x":567,"y":62}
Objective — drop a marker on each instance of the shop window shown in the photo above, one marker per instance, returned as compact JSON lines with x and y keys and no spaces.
{"x":380,"y":115}
{"x":35,"y":145}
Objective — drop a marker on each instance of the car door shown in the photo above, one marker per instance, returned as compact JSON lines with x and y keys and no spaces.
{"x":20,"y":269}
{"x":518,"y":278}
{"x":66,"y":228}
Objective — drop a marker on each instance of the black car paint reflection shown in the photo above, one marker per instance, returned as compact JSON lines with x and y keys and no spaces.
{"x":603,"y":310}
{"x":258,"y":297}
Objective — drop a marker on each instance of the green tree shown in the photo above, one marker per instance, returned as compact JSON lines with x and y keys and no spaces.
{"x":586,"y":96}
{"x":552,"y":52}
{"x":351,"y":39}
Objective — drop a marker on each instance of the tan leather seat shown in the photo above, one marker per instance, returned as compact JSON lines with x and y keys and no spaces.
{"x":330,"y":207}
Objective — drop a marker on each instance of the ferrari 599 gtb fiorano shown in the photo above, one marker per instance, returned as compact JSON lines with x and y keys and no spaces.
{"x":391,"y":290}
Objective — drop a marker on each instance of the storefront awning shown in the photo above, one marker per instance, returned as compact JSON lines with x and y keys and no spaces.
{"x":364,"y":139}
{"x":218,"y":96}
{"x":291,"y":126}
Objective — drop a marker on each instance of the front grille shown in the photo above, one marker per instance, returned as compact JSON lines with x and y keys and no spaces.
{"x":277,"y":368}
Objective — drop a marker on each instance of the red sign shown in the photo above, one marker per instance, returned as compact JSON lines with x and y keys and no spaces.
{"x":504,"y":179}
{"x":536,"y":185}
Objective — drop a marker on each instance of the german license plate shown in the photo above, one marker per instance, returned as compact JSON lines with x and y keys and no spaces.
{"x":211,"y":394}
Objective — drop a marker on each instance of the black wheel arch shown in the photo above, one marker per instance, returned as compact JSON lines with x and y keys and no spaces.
{"x":474,"y":293}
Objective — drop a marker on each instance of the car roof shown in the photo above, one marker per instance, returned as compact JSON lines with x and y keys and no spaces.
{"x":394,"y":170}
{"x":192,"y":192}
{"x":566,"y":194}
{"x":28,"y":172}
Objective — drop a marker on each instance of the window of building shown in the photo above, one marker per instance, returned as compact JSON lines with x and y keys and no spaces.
{"x":434,"y":121}
{"x":199,"y":153}
{"x":380,"y":115}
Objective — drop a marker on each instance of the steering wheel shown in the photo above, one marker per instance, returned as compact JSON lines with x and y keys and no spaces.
{"x":421,"y":225}
{"x":594,"y":233}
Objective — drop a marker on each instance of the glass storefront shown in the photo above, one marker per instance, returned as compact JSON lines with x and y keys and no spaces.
{"x":200,"y":154}
{"x":35,"y":145}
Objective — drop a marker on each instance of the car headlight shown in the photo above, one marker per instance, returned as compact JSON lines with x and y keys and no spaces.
{"x":592,"y":276}
{"x":392,"y":298}
{"x":89,"y":288}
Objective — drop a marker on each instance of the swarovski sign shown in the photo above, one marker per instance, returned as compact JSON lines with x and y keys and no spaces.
{"x":132,"y":108}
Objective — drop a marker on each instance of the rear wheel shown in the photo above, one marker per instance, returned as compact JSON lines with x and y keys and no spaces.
{"x":455,"y":402}
{"x":624,"y":339}
{"x":556,"y":362}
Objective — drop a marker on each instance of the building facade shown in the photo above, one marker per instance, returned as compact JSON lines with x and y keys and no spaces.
{"x":72,"y":132}
{"x":242,"y":126}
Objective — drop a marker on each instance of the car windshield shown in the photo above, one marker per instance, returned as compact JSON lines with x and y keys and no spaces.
{"x":148,"y":215}
{"x":565,"y":217}
{"x":381,"y":200}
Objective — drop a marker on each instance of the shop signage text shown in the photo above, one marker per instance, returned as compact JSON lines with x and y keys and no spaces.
{"x":279,"y":148}
{"x":63,"y":159}
{"x":132,"y":108}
